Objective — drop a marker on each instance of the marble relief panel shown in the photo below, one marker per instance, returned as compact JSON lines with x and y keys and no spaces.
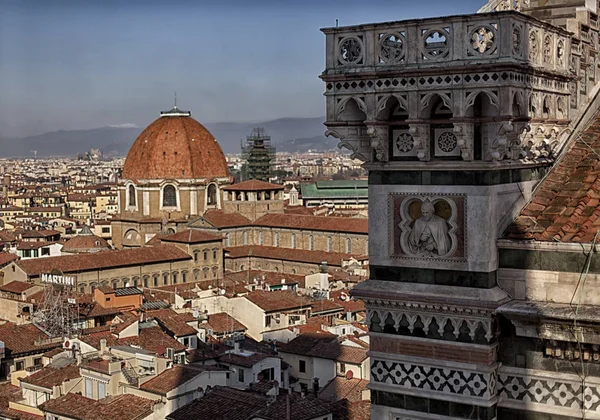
{"x":428,"y":226}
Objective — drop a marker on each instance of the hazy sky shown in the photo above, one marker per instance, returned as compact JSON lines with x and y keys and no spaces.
{"x":90,"y":63}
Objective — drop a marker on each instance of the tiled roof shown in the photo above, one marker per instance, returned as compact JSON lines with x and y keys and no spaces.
{"x":278,"y":300}
{"x":191,"y":236}
{"x":172,"y":321}
{"x":565,"y":206}
{"x":320,"y":223}
{"x":85,"y":243}
{"x":243,"y":360}
{"x":340,"y":388}
{"x":175,"y":147}
{"x":326,"y":306}
{"x":318,"y":345}
{"x":39,"y":233}
{"x":352,"y":410}
{"x":103,"y":260}
{"x":118,"y":407}
{"x":253,"y":185}
{"x":16,"y":287}
{"x":171,"y":378}
{"x":50,"y":376}
{"x":220,"y":219}
{"x":24,"y":338}
{"x":6,"y":258}
{"x":11,"y":393}
{"x":222,"y":403}
{"x":288,"y":254}
{"x":151,"y":338}
{"x":307,"y":408}
{"x":222,"y":323}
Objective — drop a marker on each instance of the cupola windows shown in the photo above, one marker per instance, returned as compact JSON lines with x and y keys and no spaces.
{"x":169,"y":196}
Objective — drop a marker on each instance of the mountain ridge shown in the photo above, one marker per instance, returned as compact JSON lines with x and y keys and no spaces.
{"x":288,"y":134}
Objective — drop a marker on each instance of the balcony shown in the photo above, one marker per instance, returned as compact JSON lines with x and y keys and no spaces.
{"x":455,"y":41}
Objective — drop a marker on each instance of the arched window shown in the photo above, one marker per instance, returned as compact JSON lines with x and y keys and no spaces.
{"x":245,"y":238}
{"x":214,"y":252}
{"x":115,"y":284}
{"x":184,"y":276}
{"x":196,"y":275}
{"x":348,"y":245}
{"x":82,"y":288}
{"x":227,"y":239}
{"x":329,"y":244}
{"x":260,"y":238}
{"x":165,"y":278}
{"x":205,"y":271}
{"x":174,"y":275}
{"x":212,"y":195}
{"x":196,"y":255}
{"x":205,"y":254}
{"x":131,"y":194}
{"x":155,"y":280}
{"x":293,"y":240}
{"x":169,"y":196}
{"x":145,"y":281}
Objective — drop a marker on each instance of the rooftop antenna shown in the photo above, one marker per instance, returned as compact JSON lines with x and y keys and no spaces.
{"x":175,"y":99}
{"x":337,"y":23}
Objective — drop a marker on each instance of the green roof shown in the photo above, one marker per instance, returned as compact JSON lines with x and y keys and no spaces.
{"x":335,"y":189}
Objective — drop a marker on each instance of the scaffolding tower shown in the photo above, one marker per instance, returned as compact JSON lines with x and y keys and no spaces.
{"x":259,"y":155}
{"x":57,"y":314}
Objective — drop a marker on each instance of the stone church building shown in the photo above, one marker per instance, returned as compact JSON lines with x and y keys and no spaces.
{"x":175,"y":179}
{"x":481,"y":136}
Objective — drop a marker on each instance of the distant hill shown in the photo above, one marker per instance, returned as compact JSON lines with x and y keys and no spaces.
{"x":287,"y":134}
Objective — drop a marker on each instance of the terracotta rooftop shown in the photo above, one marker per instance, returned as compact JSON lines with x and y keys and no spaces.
{"x":172,"y":321}
{"x":50,"y":376}
{"x":320,"y":223}
{"x":85,"y":243}
{"x":6,"y":258}
{"x":175,"y":147}
{"x":253,"y":185}
{"x":11,"y":393}
{"x":321,"y":346}
{"x":16,"y":287}
{"x":566,"y":204}
{"x":307,"y":408}
{"x":222,"y":403}
{"x":243,"y":360}
{"x":191,"y":236}
{"x":288,"y":254}
{"x":150,"y":338}
{"x":340,"y":388}
{"x":176,"y":376}
{"x":220,"y":219}
{"x":118,"y":407}
{"x":26,"y":338}
{"x":103,"y":260}
{"x":280,"y":300}
{"x":222,"y":323}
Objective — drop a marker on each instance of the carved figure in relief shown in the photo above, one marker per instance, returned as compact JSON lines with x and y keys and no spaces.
{"x":429,"y":236}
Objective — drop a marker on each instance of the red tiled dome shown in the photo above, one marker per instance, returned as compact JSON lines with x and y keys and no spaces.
{"x":175,"y":146}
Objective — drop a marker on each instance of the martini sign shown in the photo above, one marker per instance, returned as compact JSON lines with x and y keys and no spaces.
{"x":57,"y":277}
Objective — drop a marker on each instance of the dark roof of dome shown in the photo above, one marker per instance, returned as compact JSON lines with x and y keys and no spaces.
{"x":86,"y":242}
{"x":175,"y":146}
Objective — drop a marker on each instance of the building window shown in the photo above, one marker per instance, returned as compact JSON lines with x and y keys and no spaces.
{"x":155,"y":280}
{"x":105,"y":230}
{"x":20,"y":365}
{"x":212,"y":195}
{"x":329,"y":244}
{"x":311,"y":243}
{"x":82,"y":288}
{"x":89,"y":392}
{"x":348,"y":245}
{"x":293,"y":240}
{"x":131,"y":197}
{"x":205,"y":272}
{"x":196,"y":275}
{"x":101,"y":390}
{"x":241,"y":375}
{"x":205,"y":255}
{"x":37,"y":361}
{"x":195,"y":256}
{"x":145,"y":281}
{"x":184,"y":277}
{"x":166,"y":278}
{"x":169,"y":196}
{"x":276,"y":241}
{"x":228,"y":240}
{"x":174,"y":278}
{"x":135,"y":282}
{"x":245,"y":238}
{"x":260,"y":238}
{"x":302,"y":366}
{"x":214,"y":254}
